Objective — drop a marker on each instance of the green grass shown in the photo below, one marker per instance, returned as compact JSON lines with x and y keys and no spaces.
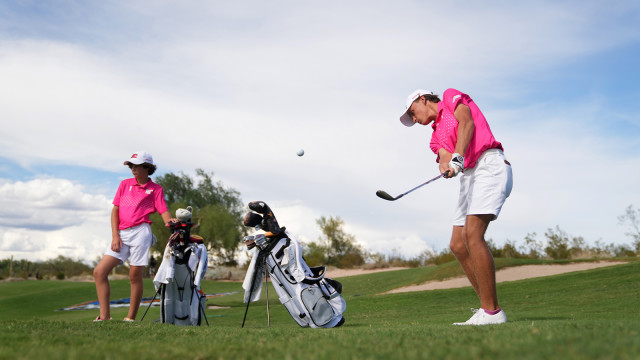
{"x":591,"y":314}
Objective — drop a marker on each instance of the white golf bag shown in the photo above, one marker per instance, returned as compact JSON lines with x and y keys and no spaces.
{"x":184,"y":264}
{"x":311,"y":299}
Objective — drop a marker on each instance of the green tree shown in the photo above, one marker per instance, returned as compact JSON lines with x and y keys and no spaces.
{"x":535,"y":247}
{"x":217,"y":213}
{"x":631,"y":217}
{"x":562,"y":246}
{"x":315,"y":254}
{"x":340,"y":247}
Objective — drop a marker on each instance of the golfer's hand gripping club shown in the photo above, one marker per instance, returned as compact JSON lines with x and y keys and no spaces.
{"x":456,"y":164}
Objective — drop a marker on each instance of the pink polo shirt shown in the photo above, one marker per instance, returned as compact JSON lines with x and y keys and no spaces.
{"x":445,"y":128}
{"x":136,"y":202}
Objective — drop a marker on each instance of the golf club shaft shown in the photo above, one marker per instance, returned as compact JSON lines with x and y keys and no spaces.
{"x":423,"y":184}
{"x":384,"y":195}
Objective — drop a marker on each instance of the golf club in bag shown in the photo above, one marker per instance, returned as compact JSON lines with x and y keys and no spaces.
{"x":178,"y":278}
{"x":311,"y":299}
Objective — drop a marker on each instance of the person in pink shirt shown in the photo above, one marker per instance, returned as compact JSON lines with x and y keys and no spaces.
{"x":135,"y":200}
{"x":464,"y":144}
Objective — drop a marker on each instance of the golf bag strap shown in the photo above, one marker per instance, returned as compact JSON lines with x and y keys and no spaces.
{"x":280,"y":252}
{"x":318,"y":274}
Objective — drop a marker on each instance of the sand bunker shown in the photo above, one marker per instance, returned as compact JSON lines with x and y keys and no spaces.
{"x":508,"y":274}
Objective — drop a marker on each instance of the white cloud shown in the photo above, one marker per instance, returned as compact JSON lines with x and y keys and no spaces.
{"x":43,"y":218}
{"x":48,"y":204}
{"x":238,"y":89}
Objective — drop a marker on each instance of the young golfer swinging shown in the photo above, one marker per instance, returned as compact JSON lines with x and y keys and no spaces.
{"x":464,"y":144}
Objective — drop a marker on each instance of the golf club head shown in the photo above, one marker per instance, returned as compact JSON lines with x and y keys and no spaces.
{"x":383,"y":195}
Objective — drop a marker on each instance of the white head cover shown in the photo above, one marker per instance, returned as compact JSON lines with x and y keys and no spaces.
{"x":184,"y":215}
{"x":406,"y":119}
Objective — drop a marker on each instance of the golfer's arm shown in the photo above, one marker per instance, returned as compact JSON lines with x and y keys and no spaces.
{"x":115,"y":221}
{"x":465,"y":128}
{"x":445,"y":157}
{"x":166,"y":217}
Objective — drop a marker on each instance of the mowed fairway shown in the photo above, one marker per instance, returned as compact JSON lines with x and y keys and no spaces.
{"x":592,"y":314}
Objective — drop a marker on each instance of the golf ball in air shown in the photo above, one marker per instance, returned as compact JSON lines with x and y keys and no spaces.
{"x":300,"y":152}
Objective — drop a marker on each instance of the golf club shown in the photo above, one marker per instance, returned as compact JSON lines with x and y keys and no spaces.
{"x":384,"y":195}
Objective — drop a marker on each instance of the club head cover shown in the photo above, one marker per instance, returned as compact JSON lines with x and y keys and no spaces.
{"x":184,"y":215}
{"x":260,"y":207}
{"x":252,"y":219}
{"x":269,"y":222}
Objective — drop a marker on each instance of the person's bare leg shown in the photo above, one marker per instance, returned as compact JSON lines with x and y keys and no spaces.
{"x":103,"y":289}
{"x":481,"y":259}
{"x":135,"y":276}
{"x":461,"y":252}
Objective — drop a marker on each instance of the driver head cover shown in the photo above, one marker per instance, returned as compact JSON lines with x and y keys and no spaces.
{"x":184,"y":215}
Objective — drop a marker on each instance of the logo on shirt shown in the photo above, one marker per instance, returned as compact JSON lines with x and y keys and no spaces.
{"x":455,"y":98}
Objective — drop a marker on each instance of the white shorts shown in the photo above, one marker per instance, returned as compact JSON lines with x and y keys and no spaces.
{"x":485,"y":187}
{"x":136,"y":242}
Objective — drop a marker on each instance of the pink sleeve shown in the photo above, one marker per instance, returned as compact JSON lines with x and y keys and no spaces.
{"x":160,"y":204}
{"x":453,"y":97}
{"x":435,"y":146}
{"x":116,"y":199}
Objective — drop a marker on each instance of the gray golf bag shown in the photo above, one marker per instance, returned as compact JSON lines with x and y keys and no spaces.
{"x":311,"y":299}
{"x":178,"y":279}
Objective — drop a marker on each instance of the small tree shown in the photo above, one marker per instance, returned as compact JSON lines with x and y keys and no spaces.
{"x":315,"y":254}
{"x":535,"y":247}
{"x":217,"y":213}
{"x":562,"y":246}
{"x":631,"y":217}
{"x":340,"y":247}
{"x":558,"y":244}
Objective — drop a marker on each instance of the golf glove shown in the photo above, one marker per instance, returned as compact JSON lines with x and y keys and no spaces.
{"x":456,"y":163}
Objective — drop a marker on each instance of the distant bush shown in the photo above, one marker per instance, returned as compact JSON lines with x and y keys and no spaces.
{"x":57,"y":268}
{"x":395,"y":259}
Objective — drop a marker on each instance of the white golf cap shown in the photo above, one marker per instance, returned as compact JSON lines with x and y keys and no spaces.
{"x":140,"y":157}
{"x":406,"y":119}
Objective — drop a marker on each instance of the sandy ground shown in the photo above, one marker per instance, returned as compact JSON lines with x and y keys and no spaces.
{"x":337,"y":273}
{"x":508,"y":274}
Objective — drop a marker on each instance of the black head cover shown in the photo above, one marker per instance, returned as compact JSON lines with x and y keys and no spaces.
{"x":260,"y":207}
{"x":252,"y":219}
{"x":269,"y":222}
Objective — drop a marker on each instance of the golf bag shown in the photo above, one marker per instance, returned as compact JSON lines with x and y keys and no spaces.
{"x":311,"y":299}
{"x":178,"y":279}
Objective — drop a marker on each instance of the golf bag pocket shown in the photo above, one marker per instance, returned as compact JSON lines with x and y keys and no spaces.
{"x":317,"y":306}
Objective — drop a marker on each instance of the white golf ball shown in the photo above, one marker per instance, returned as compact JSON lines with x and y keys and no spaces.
{"x":300,"y":152}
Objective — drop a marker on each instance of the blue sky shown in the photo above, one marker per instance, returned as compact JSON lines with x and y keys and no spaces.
{"x":237,"y":89}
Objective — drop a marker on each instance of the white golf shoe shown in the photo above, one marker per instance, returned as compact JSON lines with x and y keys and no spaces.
{"x":480,"y":317}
